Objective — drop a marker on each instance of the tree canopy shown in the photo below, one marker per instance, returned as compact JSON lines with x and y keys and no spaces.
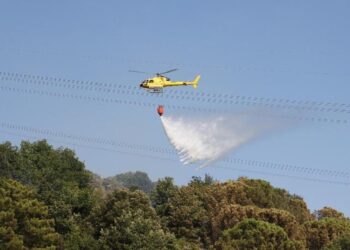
{"x":48,"y":200}
{"x":126,"y":220}
{"x":24,"y":220}
{"x":254,"y":234}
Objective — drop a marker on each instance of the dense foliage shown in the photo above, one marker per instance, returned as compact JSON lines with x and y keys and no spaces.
{"x":48,"y":200}
{"x":24,"y":221}
{"x":126,"y":220}
{"x":255,"y":234}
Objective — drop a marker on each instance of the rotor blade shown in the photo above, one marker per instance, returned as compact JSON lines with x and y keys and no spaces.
{"x":167,"y":71}
{"x":136,"y":71}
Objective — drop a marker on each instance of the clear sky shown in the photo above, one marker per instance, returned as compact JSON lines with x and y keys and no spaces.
{"x":288,"y":50}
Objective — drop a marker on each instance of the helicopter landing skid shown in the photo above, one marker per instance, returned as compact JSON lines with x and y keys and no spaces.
{"x":156,"y":91}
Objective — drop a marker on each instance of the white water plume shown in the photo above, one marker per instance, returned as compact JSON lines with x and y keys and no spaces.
{"x":204,"y":140}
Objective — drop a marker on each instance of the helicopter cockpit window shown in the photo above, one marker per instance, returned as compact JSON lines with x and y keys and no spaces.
{"x":150,"y":81}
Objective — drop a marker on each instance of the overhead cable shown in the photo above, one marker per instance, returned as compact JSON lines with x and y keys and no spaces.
{"x":215,"y":98}
{"x":111,"y":100}
{"x":170,"y":152}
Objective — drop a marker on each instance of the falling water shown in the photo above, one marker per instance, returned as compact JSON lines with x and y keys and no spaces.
{"x":204,"y":140}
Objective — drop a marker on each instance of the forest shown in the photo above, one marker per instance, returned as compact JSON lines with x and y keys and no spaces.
{"x":49,"y":200}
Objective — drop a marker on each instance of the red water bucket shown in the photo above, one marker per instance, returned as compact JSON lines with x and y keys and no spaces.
{"x":160,"y":110}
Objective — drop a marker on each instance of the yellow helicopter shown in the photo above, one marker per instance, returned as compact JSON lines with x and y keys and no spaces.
{"x":159,"y":81}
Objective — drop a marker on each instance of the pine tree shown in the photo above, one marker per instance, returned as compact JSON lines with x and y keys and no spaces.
{"x":24,"y":220}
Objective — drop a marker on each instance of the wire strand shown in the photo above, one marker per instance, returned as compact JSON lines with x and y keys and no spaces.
{"x":169,"y":106}
{"x":171,"y":152}
{"x":235,"y":169}
{"x":199,"y":97}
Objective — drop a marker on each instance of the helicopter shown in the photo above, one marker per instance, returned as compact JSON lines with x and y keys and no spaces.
{"x":159,"y":81}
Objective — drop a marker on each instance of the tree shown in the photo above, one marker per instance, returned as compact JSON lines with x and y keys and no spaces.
{"x":321,"y":232}
{"x":126,"y":220}
{"x":257,"y":193}
{"x":188,"y":217}
{"x":255,"y":234}
{"x":161,"y":194}
{"x":230,"y":215}
{"x":328,"y":212}
{"x":197,"y":180}
{"x":200,"y":211}
{"x":24,"y":221}
{"x":81,"y":236}
{"x":341,"y":243}
{"x":60,"y":196}
{"x":11,"y":165}
{"x":58,"y":176}
{"x":264,"y":195}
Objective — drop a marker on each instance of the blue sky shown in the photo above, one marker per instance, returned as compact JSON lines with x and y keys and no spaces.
{"x":289,"y":50}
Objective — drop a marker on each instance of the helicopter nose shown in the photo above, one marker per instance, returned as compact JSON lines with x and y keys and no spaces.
{"x":141,"y":85}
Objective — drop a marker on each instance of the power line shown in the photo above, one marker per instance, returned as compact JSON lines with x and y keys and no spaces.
{"x":97,"y":140}
{"x":110,"y":100}
{"x":288,"y":167}
{"x":167,"y":152}
{"x":235,"y":169}
{"x":284,"y":175}
{"x":200,"y":97}
{"x":21,"y":135}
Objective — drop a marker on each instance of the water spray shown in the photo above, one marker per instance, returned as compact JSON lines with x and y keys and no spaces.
{"x":206,"y":139}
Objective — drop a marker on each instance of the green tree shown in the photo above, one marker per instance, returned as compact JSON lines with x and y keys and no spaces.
{"x":208,"y":180}
{"x":60,"y":179}
{"x":254,"y":234}
{"x":328,"y":212}
{"x":257,"y":193}
{"x":341,"y":243}
{"x":126,"y":220}
{"x":321,"y":232}
{"x":264,"y":195}
{"x":200,"y":211}
{"x":11,"y":165}
{"x":24,"y":221}
{"x":162,"y":193}
{"x":186,"y":214}
{"x":81,"y":236}
{"x":230,"y":215}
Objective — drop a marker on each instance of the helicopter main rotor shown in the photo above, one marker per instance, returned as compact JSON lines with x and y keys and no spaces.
{"x":157,"y":74}
{"x":166,"y":72}
{"x":136,"y":71}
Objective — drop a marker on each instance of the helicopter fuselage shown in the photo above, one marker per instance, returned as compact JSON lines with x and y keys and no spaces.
{"x":159,"y":82}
